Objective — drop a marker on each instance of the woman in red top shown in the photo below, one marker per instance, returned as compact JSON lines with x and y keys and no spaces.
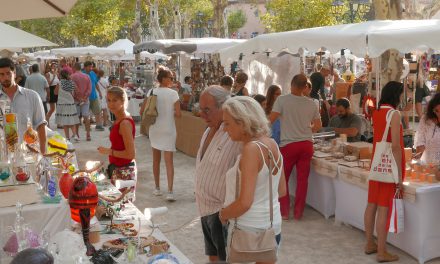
{"x":380,"y":194}
{"x":122,"y":151}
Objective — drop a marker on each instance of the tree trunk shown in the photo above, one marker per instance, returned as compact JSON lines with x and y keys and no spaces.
{"x":136,"y":26}
{"x":219,"y":8}
{"x":391,"y":61}
{"x":177,"y":21}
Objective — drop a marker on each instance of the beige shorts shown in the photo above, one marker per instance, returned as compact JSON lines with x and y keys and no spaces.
{"x":95,"y":106}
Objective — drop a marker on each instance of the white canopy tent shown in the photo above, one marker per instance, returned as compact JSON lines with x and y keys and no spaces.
{"x":189,"y":45}
{"x":30,"y":9}
{"x":15,"y":39}
{"x":124,"y":44}
{"x":127,"y":45}
{"x":372,"y":38}
{"x":87,"y":51}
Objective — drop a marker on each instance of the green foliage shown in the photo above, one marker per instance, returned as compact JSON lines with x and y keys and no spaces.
{"x":236,"y":20}
{"x":94,"y":22}
{"x":286,"y":15}
{"x":101,"y":22}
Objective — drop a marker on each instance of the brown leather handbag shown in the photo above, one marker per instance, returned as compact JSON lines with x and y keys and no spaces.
{"x":248,"y":246}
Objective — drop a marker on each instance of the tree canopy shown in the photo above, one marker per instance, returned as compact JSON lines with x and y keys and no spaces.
{"x":286,"y":15}
{"x":236,"y":20}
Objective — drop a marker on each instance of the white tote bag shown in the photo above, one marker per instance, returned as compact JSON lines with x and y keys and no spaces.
{"x":397,"y":224}
{"x":384,"y":166}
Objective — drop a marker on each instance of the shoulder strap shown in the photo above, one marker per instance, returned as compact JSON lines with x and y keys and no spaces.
{"x":388,"y":119}
{"x":151,"y":92}
{"x":53,"y":78}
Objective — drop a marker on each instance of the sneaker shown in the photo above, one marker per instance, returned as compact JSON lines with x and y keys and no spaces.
{"x":157,"y":192}
{"x":99,"y":128}
{"x":170,"y":197}
{"x":75,"y":139}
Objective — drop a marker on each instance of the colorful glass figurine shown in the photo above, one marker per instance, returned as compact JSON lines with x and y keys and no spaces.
{"x":83,"y":199}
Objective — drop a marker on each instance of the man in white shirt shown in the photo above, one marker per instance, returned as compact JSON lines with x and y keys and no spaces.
{"x":38,"y":83}
{"x":25,"y":103}
{"x":299,"y":118}
{"x":216,"y":155}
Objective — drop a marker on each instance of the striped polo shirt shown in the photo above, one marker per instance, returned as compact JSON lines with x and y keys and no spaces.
{"x":210,"y":178}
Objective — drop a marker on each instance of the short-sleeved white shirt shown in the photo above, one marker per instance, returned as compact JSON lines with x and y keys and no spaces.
{"x":26,"y":104}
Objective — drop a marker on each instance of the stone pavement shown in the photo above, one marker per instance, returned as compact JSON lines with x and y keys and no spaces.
{"x":311,"y":240}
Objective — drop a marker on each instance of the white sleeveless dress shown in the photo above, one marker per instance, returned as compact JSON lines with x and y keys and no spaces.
{"x":163,"y":133}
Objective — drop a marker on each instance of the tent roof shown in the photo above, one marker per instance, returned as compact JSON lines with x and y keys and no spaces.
{"x":189,"y":45}
{"x":372,"y":38}
{"x":30,"y":9}
{"x":14,"y":38}
{"x":131,"y":57}
{"x":87,"y":51}
{"x":124,"y":44}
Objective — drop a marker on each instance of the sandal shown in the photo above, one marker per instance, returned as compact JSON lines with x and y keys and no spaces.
{"x":371,"y":249}
{"x":387,"y":258}
{"x":89,"y":138}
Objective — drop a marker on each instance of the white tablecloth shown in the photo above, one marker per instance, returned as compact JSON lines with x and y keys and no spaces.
{"x":320,"y":192}
{"x":133,"y":106}
{"x":421,"y":237}
{"x":49,"y":217}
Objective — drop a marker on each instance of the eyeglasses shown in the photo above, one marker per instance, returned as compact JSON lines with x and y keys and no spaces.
{"x":206,"y":110}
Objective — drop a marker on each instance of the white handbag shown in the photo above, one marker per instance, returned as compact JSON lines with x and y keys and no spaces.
{"x":384,"y":166}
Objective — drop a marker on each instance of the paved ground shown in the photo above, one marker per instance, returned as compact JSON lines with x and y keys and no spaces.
{"x":311,"y":240}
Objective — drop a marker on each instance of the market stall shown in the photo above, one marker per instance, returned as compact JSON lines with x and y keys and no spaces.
{"x":339,"y":187}
{"x":88,"y":51}
{"x":190,"y":130}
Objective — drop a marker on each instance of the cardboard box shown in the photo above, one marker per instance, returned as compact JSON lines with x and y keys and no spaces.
{"x":362,"y":150}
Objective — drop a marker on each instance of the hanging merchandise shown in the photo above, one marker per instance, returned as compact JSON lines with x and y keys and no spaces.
{"x":368,"y":106}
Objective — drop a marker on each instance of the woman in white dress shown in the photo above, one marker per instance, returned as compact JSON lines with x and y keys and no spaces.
{"x":245,"y":121}
{"x":163,"y":133}
{"x":66,"y":115}
{"x":103,"y":86}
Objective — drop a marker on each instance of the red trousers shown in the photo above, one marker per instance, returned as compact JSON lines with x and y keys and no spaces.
{"x":297,"y":154}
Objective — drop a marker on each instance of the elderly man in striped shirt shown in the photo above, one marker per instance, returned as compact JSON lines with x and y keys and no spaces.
{"x":216,"y":155}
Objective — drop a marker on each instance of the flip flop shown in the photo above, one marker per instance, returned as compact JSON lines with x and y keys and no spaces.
{"x":371,"y":249}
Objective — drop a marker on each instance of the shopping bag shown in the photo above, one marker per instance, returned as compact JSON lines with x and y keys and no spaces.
{"x":384,"y":166}
{"x":150,"y":113}
{"x":397,"y":224}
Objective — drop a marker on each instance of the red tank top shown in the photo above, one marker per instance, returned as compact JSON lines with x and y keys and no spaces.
{"x":379,"y":125}
{"x":118,"y":142}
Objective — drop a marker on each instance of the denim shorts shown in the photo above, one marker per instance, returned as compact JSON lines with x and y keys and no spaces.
{"x":215,"y":236}
{"x":83,"y":109}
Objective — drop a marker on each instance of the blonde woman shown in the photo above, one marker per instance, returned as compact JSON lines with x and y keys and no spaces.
{"x":245,"y":121}
{"x":122,"y":152}
{"x":163,"y":132}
